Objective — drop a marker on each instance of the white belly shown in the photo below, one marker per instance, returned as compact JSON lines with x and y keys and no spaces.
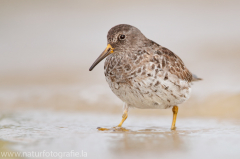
{"x":149,"y":94}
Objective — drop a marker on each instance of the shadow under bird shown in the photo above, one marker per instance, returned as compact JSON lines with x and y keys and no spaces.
{"x":142,"y":73}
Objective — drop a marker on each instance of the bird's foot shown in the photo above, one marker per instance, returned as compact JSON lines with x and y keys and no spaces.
{"x":117,"y":128}
{"x":102,"y":129}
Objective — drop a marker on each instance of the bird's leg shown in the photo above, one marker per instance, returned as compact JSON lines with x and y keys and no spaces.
{"x":119,"y":127}
{"x":125,"y":115}
{"x":175,"y":111}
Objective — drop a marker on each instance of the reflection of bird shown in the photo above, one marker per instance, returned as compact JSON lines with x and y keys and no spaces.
{"x":144,"y":74}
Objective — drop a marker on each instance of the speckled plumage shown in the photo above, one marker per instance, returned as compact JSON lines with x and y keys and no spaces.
{"x":144,"y":74}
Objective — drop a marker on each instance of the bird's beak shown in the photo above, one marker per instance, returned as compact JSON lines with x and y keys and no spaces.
{"x":105,"y":53}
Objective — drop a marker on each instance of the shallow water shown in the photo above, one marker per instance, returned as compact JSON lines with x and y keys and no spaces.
{"x":27,"y":131}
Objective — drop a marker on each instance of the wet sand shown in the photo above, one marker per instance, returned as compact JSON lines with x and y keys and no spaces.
{"x":146,"y":136}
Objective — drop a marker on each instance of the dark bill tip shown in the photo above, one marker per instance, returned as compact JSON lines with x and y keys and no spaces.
{"x":104,"y":54}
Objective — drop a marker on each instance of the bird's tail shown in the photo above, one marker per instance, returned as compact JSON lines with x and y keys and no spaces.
{"x":195,"y":78}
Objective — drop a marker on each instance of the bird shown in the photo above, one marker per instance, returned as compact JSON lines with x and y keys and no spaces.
{"x":144,"y":74}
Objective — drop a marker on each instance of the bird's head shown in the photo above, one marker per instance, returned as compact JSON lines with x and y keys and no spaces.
{"x":120,"y":38}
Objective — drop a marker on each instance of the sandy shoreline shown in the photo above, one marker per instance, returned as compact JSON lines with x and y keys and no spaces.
{"x":81,"y":99}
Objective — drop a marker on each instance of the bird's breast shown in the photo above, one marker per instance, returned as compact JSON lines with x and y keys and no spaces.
{"x":125,"y":66}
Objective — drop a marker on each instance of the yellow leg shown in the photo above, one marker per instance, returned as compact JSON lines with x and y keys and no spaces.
{"x":175,"y":111}
{"x":119,"y":127}
{"x":124,"y":117}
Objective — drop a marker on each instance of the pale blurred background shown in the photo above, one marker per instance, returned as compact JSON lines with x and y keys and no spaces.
{"x":47,"y":47}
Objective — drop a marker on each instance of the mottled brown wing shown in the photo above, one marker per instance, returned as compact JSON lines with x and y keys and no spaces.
{"x":175,"y":65}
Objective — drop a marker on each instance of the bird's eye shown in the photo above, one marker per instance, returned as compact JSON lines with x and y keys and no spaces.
{"x":122,"y":37}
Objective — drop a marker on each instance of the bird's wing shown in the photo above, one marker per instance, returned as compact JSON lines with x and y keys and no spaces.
{"x":174,"y":64}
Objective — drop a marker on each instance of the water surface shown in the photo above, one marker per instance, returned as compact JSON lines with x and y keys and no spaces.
{"x":146,"y":136}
